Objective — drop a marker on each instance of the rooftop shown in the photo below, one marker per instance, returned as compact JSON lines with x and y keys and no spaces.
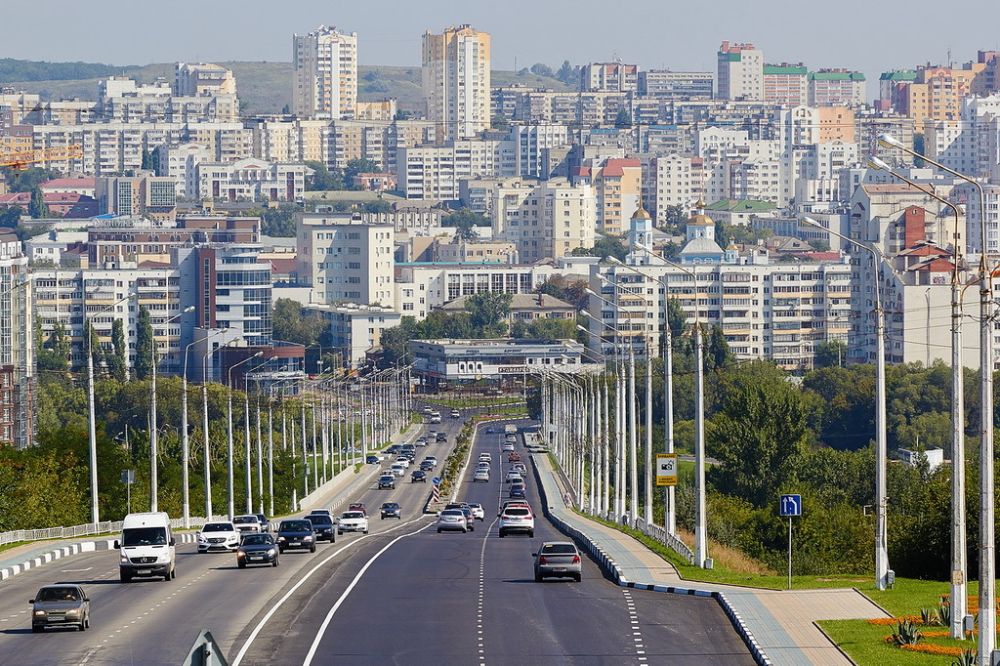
{"x":741,"y":206}
{"x":518,"y":302}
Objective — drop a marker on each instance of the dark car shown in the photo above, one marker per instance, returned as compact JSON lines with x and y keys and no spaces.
{"x":371,"y":460}
{"x":323,"y":527}
{"x":442,"y":437}
{"x":296,"y":534}
{"x":390,"y":510}
{"x":265,"y":524}
{"x":257,"y":549}
{"x":394,"y":449}
{"x":516,"y":491}
{"x":60,"y":606}
{"x":418,"y":476}
{"x":426,"y":466}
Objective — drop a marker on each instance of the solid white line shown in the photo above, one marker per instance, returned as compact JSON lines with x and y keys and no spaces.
{"x":267,"y":616}
{"x":343,"y":597}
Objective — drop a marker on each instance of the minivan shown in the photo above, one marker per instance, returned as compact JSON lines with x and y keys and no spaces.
{"x":147,"y":547}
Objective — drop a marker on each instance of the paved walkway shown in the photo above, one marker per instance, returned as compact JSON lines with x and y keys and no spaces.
{"x":782,"y":622}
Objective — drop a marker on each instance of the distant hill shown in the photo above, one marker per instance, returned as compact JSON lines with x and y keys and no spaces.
{"x":264,"y":87}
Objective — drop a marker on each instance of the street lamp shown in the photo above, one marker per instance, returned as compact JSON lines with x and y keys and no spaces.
{"x":208,"y":449}
{"x":229,"y":464}
{"x":153,"y":434}
{"x":881,"y":539}
{"x":959,"y":601}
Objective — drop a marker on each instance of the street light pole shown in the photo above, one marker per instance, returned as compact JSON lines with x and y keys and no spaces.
{"x":229,"y":465}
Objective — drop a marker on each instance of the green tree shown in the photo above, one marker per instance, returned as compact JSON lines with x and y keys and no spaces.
{"x":567,"y":73}
{"x":358,"y":166}
{"x":500,"y":123}
{"x":604,"y":247}
{"x":11,"y":216}
{"x":278,"y":222}
{"x":28,"y":179}
{"x":323,"y":178}
{"x":292,"y":323}
{"x":143,"y":345}
{"x":717,"y":353}
{"x":541,"y":69}
{"x":115,"y":359}
{"x":623,"y":119}
{"x":574,"y":292}
{"x":547,"y":329}
{"x":489,"y":312}
{"x":676,"y":318}
{"x":377,"y":206}
{"x":676,"y":216}
{"x":37,"y":207}
{"x":54,"y":352}
{"x":831,"y":353}
{"x":465,"y":221}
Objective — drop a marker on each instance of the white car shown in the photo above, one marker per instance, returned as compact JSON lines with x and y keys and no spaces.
{"x":452,"y":520}
{"x":517,"y":519}
{"x":248,"y":524}
{"x":222,"y":537}
{"x":398,"y":469}
{"x":403,"y":460}
{"x":478,"y":512}
{"x":514,"y":477}
{"x":481,"y":475}
{"x":485,"y":457}
{"x":508,"y":446}
{"x":455,"y":414}
{"x":352,"y":521}
{"x":432,"y":460}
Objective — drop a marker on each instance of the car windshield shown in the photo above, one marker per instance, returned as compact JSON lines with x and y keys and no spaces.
{"x":242,"y":520}
{"x":390,"y":505}
{"x":350,"y":515}
{"x":320,"y":520}
{"x":516,"y":512}
{"x":144,"y":536}
{"x":296,"y":526}
{"x":257,"y":540}
{"x":58,"y":594}
{"x":558,"y":549}
{"x":217,"y":527}
{"x":387,"y":477}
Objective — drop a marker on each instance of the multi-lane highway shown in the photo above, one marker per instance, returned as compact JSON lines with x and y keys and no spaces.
{"x":402,"y":594}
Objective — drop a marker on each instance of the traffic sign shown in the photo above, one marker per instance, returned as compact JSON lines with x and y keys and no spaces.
{"x":666,"y":469}
{"x":791,"y":506}
{"x":436,"y":480}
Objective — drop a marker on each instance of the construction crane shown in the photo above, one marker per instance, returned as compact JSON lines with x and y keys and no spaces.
{"x":22,"y":159}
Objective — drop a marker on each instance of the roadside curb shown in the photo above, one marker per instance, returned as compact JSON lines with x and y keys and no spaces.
{"x":614,"y":572}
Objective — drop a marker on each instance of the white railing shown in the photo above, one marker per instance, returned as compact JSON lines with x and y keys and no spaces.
{"x":87,"y":529}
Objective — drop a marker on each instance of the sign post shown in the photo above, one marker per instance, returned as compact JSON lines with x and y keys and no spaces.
{"x":128,"y":478}
{"x":666,"y":469}
{"x":790,"y":507}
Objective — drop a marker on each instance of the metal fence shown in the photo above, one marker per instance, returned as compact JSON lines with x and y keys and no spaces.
{"x":87,"y":529}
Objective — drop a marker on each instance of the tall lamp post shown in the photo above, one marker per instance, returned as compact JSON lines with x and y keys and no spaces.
{"x":881,"y":529}
{"x":959,"y":567}
{"x":229,"y":464}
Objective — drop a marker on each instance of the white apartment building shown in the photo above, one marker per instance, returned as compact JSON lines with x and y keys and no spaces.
{"x":836,"y":87}
{"x":203,"y":78}
{"x":456,"y":81}
{"x":665,"y":84}
{"x":252,"y":179}
{"x":544,"y":219}
{"x":356,"y":329}
{"x":740,"y":72}
{"x":676,"y":181}
{"x":530,"y":142}
{"x":345,"y":260}
{"x":609,"y":77}
{"x":281,"y":140}
{"x":180,"y":162}
{"x":325,"y":78}
{"x":436,"y":172}
{"x":17,"y":360}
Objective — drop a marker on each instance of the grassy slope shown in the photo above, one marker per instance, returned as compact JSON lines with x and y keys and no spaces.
{"x":265,"y":87}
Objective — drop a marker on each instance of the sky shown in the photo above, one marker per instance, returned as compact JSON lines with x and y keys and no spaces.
{"x":867,"y":35}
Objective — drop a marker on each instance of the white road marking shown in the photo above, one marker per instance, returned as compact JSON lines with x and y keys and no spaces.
{"x":633,"y":618}
{"x":75,"y":570}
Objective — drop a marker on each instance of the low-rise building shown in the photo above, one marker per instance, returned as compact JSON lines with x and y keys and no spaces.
{"x":501,"y":360}
{"x":252,"y":180}
{"x":355,"y":329}
{"x":525,"y":307}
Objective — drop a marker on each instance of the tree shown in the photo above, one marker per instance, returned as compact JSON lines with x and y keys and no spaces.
{"x":574,"y":292}
{"x":465,"y":221}
{"x":92,"y":342}
{"x":37,"y":208}
{"x":488,"y":312}
{"x":377,"y":206}
{"x":147,"y":160}
{"x":623,"y":119}
{"x":541,"y":69}
{"x":11,"y":216}
{"x":604,"y":247}
{"x":567,"y":74}
{"x":546,"y":329}
{"x":115,"y":359}
{"x":830,"y":353}
{"x":28,"y":179}
{"x":500,"y":123}
{"x":676,"y":216}
{"x":54,"y":352}
{"x":143,"y":345}
{"x":676,"y":318}
{"x":717,"y":353}
{"x":323,"y":178}
{"x":292,"y":324}
{"x":358,"y":166}
{"x":280,"y":221}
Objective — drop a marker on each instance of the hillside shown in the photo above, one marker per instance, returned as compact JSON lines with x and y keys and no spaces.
{"x":264,"y":87}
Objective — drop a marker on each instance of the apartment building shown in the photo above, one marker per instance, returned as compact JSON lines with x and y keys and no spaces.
{"x":142,"y":195}
{"x":456,"y":81}
{"x":436,"y":172}
{"x":609,"y":77}
{"x":617,"y":187}
{"x":252,"y":179}
{"x":355,"y":329}
{"x":544,"y":219}
{"x":836,"y":87}
{"x":786,"y":85}
{"x":180,"y":162}
{"x":325,"y":74}
{"x":17,"y":361}
{"x":530,"y":143}
{"x":666,"y":84}
{"x":345,"y":260}
{"x":202,"y":78}
{"x":278,"y":139}
{"x":676,"y":181}
{"x":740,"y":72}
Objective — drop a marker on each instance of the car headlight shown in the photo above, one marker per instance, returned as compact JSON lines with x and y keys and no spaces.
{"x":124,"y":557}
{"x":39,"y":613}
{"x":73,"y":612}
{"x":308,"y":538}
{"x":240,"y":552}
{"x":281,"y":538}
{"x":270,"y":551}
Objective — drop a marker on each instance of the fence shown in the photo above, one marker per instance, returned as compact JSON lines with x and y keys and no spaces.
{"x":87,"y":529}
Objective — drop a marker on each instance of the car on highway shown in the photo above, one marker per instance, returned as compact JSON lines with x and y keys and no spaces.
{"x":432,"y":460}
{"x":390,"y":510}
{"x":353,"y":521}
{"x":408,"y":448}
{"x":248,"y":523}
{"x":386,"y":481}
{"x":513,"y":457}
{"x":257,"y":549}
{"x":60,"y":605}
{"x":451,"y":520}
{"x":322,"y":512}
{"x":426,"y":466}
{"x":372,"y":460}
{"x":442,"y":438}
{"x":516,"y":491}
{"x":482,"y":474}
{"x":218,"y":537}
{"x":394,"y":449}
{"x":296,"y":533}
{"x":421,"y":441}
{"x":521,"y":468}
{"x":418,"y":476}
{"x":523,"y":504}
{"x":398,"y":469}
{"x":147,"y":547}
{"x":455,"y":414}
{"x":485,"y":455}
{"x":403,"y":460}
{"x":513,"y":477}
{"x":265,"y":524}
{"x":357,"y":506}
{"x":517,"y":520}
{"x":491,"y":430}
{"x":427,"y":409}
{"x":323,"y":526}
{"x":431,"y":436}
{"x":478,"y":512}
{"x":558,"y":559}
{"x":469,"y":517}
{"x":507,"y":446}
{"x":434,"y":418}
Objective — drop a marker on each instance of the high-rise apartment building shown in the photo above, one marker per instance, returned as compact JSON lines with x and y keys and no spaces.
{"x":618,"y":188}
{"x":609,"y":77}
{"x":17,"y":363}
{"x":325,"y":79}
{"x":787,"y":85}
{"x":456,"y":81}
{"x":836,"y":87}
{"x":197,"y":79}
{"x":346,"y":260}
{"x":665,"y":84}
{"x":142,"y":195}
{"x":741,"y":72}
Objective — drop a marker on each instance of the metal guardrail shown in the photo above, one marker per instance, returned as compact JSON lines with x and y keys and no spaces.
{"x":87,"y":529}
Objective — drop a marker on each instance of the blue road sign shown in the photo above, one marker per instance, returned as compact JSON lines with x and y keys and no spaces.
{"x":791,"y":506}
{"x":436,"y":480}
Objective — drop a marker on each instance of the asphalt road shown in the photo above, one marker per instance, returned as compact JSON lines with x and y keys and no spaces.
{"x":155,"y":622}
{"x":471,"y":598}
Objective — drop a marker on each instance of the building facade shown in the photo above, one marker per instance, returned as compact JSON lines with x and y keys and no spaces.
{"x":325,"y":78}
{"x":345,"y":260}
{"x":456,"y":81}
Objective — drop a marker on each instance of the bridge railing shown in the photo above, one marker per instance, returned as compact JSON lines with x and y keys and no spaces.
{"x":87,"y":529}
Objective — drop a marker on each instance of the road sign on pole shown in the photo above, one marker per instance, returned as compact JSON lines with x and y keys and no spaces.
{"x":790,"y":507}
{"x":436,"y":480}
{"x":666,"y":469}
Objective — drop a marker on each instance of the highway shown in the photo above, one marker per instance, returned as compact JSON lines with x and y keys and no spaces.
{"x":154,"y":622}
{"x":402,"y":595}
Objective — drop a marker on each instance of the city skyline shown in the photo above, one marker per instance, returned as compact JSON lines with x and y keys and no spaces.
{"x":394,"y":38}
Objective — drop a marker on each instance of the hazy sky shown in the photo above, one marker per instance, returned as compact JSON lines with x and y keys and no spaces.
{"x":870,"y":35}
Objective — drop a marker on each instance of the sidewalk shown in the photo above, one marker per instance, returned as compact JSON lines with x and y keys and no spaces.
{"x":781,"y":623}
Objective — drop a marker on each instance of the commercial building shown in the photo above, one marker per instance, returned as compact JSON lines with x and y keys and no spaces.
{"x":666,"y":84}
{"x":345,"y":260}
{"x":456,"y":81}
{"x":503,"y":360}
{"x":740,"y":72}
{"x":252,"y":179}
{"x":325,"y":74}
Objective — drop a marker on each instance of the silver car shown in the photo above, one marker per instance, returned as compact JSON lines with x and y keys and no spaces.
{"x":558,"y":559}
{"x":452,"y":520}
{"x":60,"y":606}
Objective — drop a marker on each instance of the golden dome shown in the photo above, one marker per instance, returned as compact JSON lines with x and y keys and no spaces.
{"x":641,"y":214}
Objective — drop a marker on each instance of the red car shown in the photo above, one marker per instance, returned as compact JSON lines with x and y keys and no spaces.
{"x":358,"y":506}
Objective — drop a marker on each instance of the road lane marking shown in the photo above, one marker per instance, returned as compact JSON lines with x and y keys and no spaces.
{"x":343,"y":597}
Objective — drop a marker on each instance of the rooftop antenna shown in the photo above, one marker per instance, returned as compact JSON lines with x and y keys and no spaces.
{"x":949,"y":58}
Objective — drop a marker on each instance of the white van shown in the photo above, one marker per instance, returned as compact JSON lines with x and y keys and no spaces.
{"x":147,"y":547}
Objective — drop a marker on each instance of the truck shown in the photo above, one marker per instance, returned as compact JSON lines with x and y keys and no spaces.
{"x":510,"y":429}
{"x":147,"y":547}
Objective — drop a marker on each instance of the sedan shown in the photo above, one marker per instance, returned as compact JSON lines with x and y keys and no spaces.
{"x":426,"y":466}
{"x":508,"y":446}
{"x":513,"y":477}
{"x":265,"y":524}
{"x":219,"y":537}
{"x":296,"y":534}
{"x":516,"y":491}
{"x":442,"y":438}
{"x":418,"y":476}
{"x":477,"y":511}
{"x":353,"y":521}
{"x":490,"y":430}
{"x":386,"y":481}
{"x":482,"y":474}
{"x":60,"y":605}
{"x":558,"y":559}
{"x":391,"y":510}
{"x":397,"y":469}
{"x":257,"y":549}
{"x":371,"y":460}
{"x":403,"y":460}
{"x":452,"y":520}
{"x":323,"y":527}
{"x":430,"y":459}
{"x":248,"y":523}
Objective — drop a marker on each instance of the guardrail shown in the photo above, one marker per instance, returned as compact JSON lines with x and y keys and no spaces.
{"x":87,"y":529}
